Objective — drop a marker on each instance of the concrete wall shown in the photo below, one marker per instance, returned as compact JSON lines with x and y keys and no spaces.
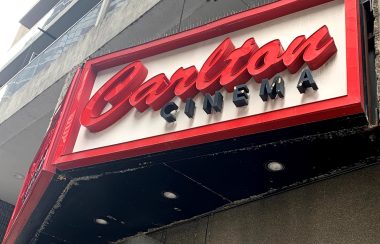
{"x":344,"y":209}
{"x":376,"y":12}
{"x":5,"y":214}
{"x":97,"y":37}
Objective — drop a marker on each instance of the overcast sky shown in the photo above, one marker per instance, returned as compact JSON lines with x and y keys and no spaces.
{"x":11,"y":11}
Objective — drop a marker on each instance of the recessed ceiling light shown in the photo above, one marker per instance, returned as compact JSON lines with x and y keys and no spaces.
{"x":177,"y":209}
{"x":19,"y":176}
{"x":101,"y":221}
{"x":169,"y":195}
{"x":275,"y":166}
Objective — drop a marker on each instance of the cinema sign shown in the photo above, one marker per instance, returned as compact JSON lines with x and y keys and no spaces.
{"x":280,"y":65}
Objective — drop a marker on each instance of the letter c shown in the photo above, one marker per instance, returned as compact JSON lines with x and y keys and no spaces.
{"x":116,"y":92}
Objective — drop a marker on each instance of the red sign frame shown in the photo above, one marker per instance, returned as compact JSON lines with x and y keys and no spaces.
{"x":41,"y":172}
{"x":336,"y":107}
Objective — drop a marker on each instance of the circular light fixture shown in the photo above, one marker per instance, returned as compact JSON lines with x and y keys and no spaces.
{"x":101,"y":221}
{"x":19,"y":176}
{"x":177,"y":209}
{"x":275,"y":166}
{"x":169,"y":195}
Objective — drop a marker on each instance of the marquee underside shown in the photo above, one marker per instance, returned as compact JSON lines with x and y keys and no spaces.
{"x":128,"y":193}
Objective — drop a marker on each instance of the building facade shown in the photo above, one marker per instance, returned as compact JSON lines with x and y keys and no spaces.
{"x":294,"y":161}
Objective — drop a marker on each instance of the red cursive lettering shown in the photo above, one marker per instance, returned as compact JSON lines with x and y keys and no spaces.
{"x":226,"y":67}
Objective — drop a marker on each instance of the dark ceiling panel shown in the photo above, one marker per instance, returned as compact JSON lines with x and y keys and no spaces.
{"x":129,"y":201}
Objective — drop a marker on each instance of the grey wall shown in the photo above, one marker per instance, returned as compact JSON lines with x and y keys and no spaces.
{"x":344,"y":209}
{"x":376,"y":10}
{"x":6,"y":210}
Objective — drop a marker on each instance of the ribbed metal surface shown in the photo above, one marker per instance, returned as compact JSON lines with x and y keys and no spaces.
{"x":6,"y":210}
{"x":169,"y":17}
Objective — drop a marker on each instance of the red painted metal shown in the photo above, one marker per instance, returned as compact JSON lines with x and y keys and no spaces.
{"x":41,"y":171}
